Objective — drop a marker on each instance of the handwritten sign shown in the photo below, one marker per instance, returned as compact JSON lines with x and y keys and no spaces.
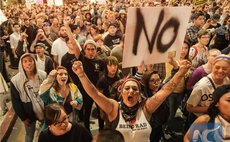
{"x":2,"y":17}
{"x":154,"y":32}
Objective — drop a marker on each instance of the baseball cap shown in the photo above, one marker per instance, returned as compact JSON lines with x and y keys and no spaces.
{"x":41,"y":45}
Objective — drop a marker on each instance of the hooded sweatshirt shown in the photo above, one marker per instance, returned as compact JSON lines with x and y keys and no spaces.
{"x":21,"y":91}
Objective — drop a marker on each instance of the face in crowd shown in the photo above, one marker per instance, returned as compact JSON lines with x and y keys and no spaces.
{"x":62,"y":32}
{"x":62,"y":76}
{"x":212,"y":54}
{"x":221,"y":68}
{"x":130,"y":93}
{"x":184,"y":51}
{"x":57,"y":119}
{"x":204,"y":39}
{"x":154,"y":82}
{"x":28,"y":64}
{"x":199,"y":22}
{"x":90,"y":51}
{"x":112,"y":69}
{"x":40,"y":51}
{"x":112,"y":30}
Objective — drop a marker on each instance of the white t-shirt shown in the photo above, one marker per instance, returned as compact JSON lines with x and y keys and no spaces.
{"x":202,"y":92}
{"x":59,"y":49}
{"x":14,"y":39}
{"x":139,"y":131}
{"x":40,"y":64}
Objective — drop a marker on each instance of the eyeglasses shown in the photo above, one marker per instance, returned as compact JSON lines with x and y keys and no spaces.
{"x":61,"y":74}
{"x":58,"y":124}
{"x":155,"y":81}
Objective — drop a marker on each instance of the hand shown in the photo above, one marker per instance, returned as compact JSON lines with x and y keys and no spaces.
{"x":77,"y":68}
{"x":74,"y":103}
{"x":173,"y":63}
{"x":207,"y":24}
{"x":140,"y":69}
{"x":53,"y":73}
{"x":27,"y":122}
{"x":67,"y":21}
{"x":23,"y":36}
{"x":38,"y":35}
{"x":184,"y":67}
{"x":149,"y":67}
{"x":4,"y":37}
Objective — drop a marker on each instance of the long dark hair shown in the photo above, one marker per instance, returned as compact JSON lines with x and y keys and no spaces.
{"x":213,"y":110}
{"x":145,"y":80}
{"x":189,"y":45}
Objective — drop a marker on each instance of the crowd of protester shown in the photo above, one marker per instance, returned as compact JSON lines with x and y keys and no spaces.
{"x":69,"y":57}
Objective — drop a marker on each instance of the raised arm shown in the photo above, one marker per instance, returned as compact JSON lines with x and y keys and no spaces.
{"x":48,"y":82}
{"x":71,"y":37}
{"x":157,"y":99}
{"x":109,"y":106}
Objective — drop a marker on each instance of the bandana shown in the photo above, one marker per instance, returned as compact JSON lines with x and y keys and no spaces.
{"x":129,"y":113}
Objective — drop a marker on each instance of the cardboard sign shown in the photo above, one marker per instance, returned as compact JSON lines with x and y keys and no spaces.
{"x":153,"y":34}
{"x":2,"y":17}
{"x":199,"y":2}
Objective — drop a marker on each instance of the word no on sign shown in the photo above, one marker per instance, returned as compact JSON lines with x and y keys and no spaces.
{"x":153,"y":33}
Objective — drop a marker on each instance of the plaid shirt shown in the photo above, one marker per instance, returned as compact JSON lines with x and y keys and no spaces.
{"x":192,"y":34}
{"x":160,"y":68}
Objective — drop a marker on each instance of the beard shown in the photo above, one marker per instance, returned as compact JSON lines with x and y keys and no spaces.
{"x":63,"y":35}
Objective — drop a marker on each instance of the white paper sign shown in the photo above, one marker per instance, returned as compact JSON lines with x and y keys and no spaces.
{"x":29,"y":3}
{"x":154,"y":32}
{"x":101,"y":1}
{"x":2,"y":17}
{"x":50,"y":2}
{"x":58,"y":2}
{"x":39,"y":1}
{"x":92,"y":1}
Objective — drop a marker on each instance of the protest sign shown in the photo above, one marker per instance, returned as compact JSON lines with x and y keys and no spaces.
{"x":29,"y":3}
{"x":199,"y":2}
{"x":58,"y":2}
{"x":2,"y":17}
{"x":154,"y":33}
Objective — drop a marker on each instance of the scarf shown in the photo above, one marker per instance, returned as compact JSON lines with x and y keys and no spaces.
{"x":129,"y":113}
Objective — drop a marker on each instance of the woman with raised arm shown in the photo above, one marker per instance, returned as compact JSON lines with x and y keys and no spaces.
{"x":131,"y":115}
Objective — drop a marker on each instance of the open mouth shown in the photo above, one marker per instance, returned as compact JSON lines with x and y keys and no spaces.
{"x":130,"y":98}
{"x":63,"y":80}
